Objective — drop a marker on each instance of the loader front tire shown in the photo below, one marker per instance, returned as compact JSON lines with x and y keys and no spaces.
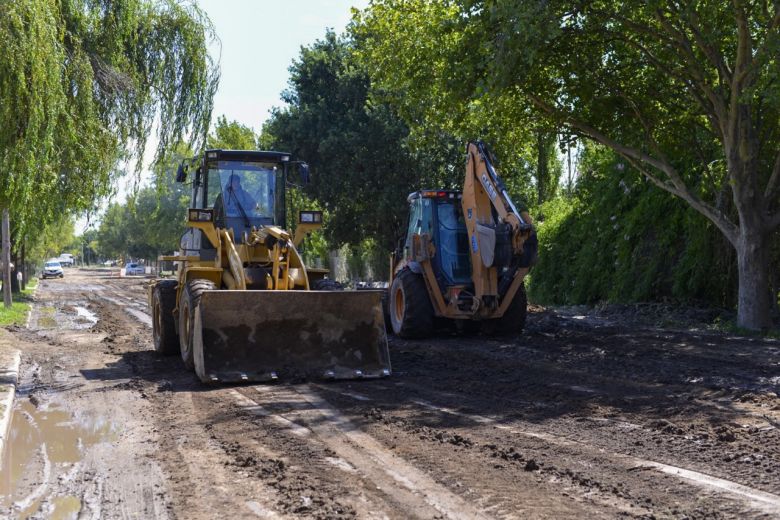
{"x":190,"y":299}
{"x":166,"y":337}
{"x":411,"y":312}
{"x":513,"y":320}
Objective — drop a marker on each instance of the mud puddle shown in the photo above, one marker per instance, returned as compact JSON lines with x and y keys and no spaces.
{"x":54,"y":440}
{"x":73,"y":317}
{"x":132,"y":307}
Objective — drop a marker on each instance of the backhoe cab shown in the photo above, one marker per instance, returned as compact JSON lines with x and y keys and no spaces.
{"x":464,"y":258}
{"x":244,"y":307}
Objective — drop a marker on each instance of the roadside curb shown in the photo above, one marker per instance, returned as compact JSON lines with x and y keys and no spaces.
{"x":9,"y":376}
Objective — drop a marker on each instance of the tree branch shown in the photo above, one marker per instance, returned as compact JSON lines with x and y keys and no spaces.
{"x":742,"y":65}
{"x":762,"y":49}
{"x":705,"y":102}
{"x":683,"y":45}
{"x":711,"y":52}
{"x":675,"y":185}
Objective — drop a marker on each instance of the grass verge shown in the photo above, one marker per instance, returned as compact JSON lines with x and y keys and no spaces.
{"x":17,"y":313}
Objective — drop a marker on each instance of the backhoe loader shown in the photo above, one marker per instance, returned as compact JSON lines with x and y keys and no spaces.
{"x":464,"y":258}
{"x":243,"y":306}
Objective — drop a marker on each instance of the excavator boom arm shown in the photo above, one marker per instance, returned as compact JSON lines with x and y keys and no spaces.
{"x":491,"y":217}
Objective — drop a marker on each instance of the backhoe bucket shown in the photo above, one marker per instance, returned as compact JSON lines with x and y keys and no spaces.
{"x":265,"y":335}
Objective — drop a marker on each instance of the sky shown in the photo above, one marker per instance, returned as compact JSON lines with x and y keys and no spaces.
{"x":258,"y":41}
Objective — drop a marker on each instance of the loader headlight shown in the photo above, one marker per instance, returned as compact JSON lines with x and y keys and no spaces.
{"x":310,"y":217}
{"x":200,"y":215}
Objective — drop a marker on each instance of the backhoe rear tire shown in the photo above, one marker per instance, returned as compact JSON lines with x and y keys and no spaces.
{"x":190,"y":299}
{"x":164,"y":333}
{"x":513,"y":320}
{"x":411,"y":312}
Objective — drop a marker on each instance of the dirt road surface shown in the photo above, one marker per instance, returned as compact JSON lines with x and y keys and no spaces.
{"x":580,"y":417}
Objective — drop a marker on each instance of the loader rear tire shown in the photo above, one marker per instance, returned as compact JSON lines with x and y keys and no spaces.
{"x":326,"y":284}
{"x":190,"y":299}
{"x":166,"y":337}
{"x":513,"y":320}
{"x":411,"y":312}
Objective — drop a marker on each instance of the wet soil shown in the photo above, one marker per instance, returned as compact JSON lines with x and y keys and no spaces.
{"x":585,"y":415}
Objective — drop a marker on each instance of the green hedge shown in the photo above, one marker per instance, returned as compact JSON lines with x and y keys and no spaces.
{"x":619,"y":238}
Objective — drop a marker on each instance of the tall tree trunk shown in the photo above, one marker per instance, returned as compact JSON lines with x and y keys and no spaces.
{"x":23,"y":266}
{"x":15,"y":285}
{"x":6,"y":258}
{"x":542,"y":167}
{"x":753,"y":299}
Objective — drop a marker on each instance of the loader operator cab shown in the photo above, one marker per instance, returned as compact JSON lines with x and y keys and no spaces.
{"x":439,"y":214}
{"x":245,"y":189}
{"x":243,"y":194}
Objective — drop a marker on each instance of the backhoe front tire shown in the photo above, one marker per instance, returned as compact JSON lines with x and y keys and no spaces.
{"x":164,"y":333}
{"x":190,"y":299}
{"x":411,"y":312}
{"x":513,"y":320}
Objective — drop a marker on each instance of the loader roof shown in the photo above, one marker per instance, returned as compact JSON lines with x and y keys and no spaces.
{"x":247,"y":155}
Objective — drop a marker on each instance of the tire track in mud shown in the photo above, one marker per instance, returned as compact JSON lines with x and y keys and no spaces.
{"x":462,"y":422}
{"x":414,"y":493}
{"x":756,"y":499}
{"x":702,"y":424}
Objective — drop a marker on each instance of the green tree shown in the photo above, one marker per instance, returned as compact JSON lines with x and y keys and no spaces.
{"x":362,"y":167}
{"x":113,"y":231}
{"x":618,"y":238}
{"x":686,"y":92}
{"x":81,"y":85}
{"x":153,"y":220}
{"x":232,"y":136}
{"x":418,"y":56}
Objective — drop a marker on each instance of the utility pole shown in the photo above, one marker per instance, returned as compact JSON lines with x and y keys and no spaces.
{"x":6,"y":260}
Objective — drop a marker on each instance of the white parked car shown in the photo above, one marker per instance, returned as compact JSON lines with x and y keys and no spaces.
{"x":66,"y":260}
{"x":133,"y":268}
{"x":52,"y":269}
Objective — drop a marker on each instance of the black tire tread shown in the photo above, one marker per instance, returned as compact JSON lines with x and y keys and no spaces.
{"x":513,"y":320}
{"x":418,"y":311}
{"x":326,"y":284}
{"x":192,"y":294}
{"x":168,"y":342}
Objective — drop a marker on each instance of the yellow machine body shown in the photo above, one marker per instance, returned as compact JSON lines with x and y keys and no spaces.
{"x":246,"y":308}
{"x":465,"y":256}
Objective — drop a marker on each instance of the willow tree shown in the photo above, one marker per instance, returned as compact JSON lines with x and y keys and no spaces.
{"x":83,"y":83}
{"x":656,"y":81}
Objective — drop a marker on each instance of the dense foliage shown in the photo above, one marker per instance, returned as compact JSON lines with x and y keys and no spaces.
{"x":361,"y":164}
{"x":617,"y":238}
{"x":150,"y":223}
{"x":685,"y":92}
{"x":82,"y":85}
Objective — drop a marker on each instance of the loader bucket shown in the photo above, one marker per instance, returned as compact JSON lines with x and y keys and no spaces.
{"x":264,"y":335}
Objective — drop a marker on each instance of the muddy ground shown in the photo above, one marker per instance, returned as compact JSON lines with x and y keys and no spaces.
{"x":582,"y":416}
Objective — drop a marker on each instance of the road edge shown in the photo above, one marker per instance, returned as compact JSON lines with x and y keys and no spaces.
{"x":10,"y":361}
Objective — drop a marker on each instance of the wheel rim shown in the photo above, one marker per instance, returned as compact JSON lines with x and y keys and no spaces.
{"x":398,"y":305}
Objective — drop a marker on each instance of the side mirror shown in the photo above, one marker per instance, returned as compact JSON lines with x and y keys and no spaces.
{"x":304,"y":171}
{"x":181,"y":173}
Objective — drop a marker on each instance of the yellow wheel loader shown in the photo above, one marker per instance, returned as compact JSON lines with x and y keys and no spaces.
{"x":464,"y":257}
{"x":243,"y":306}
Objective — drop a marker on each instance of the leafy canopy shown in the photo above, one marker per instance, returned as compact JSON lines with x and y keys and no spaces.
{"x":82,"y":83}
